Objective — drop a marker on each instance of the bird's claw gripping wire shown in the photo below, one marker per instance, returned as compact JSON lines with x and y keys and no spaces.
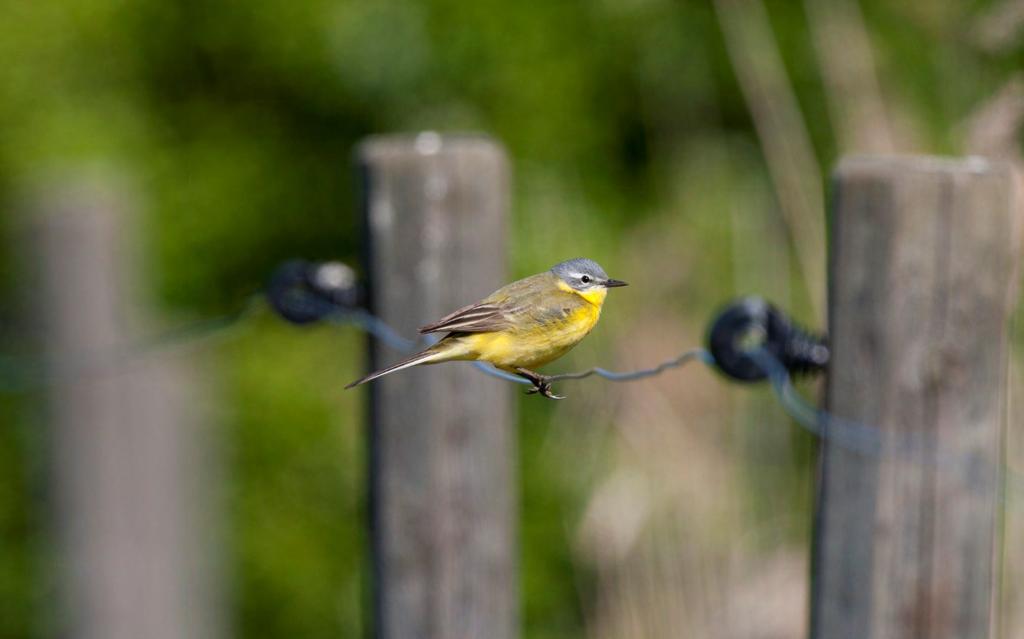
{"x":541,"y":384}
{"x":544,"y":388}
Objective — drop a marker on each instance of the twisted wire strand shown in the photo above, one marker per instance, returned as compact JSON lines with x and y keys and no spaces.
{"x":699,"y":354}
{"x":856,"y":436}
{"x":390,"y":337}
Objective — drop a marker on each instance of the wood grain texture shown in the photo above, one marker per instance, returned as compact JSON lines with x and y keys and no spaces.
{"x":922,"y":256}
{"x":442,"y":440}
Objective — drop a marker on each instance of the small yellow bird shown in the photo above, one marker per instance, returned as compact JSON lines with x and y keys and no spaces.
{"x":522,"y":325}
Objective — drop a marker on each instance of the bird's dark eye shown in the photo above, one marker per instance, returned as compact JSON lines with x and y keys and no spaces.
{"x":585,"y":279}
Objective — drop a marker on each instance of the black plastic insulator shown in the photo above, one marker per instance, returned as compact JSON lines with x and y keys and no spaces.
{"x":751,"y":323}
{"x":304,"y":292}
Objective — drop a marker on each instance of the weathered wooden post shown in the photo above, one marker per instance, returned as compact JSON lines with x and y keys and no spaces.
{"x":441,"y":437}
{"x":922,"y":256}
{"x":128,"y":458}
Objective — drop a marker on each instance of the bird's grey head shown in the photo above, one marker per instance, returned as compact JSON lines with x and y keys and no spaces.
{"x":583,"y":274}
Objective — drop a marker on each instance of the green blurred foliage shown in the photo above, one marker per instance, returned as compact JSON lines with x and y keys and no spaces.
{"x":236,"y":121}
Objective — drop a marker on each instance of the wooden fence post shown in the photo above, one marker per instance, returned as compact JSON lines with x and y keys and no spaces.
{"x":127,"y":450}
{"x":441,"y":437}
{"x":905,"y":539}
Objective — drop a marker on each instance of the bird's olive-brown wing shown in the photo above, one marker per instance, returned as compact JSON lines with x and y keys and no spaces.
{"x":481,"y":317}
{"x":501,"y":310}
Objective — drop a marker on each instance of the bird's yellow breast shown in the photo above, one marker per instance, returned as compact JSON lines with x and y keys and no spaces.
{"x":537,"y":343}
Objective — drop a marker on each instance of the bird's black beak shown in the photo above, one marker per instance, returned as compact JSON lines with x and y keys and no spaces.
{"x":614,"y":283}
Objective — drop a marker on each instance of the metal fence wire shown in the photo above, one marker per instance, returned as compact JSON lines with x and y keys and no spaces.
{"x":749,"y":340}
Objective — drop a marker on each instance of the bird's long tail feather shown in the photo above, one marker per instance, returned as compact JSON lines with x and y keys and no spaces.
{"x":423,"y":357}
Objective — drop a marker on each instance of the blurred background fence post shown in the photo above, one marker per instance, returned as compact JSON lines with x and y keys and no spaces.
{"x":922,"y":259}
{"x":442,"y":445}
{"x":127,"y":454}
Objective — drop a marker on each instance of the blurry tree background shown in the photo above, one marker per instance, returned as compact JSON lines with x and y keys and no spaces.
{"x":682,"y":144}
